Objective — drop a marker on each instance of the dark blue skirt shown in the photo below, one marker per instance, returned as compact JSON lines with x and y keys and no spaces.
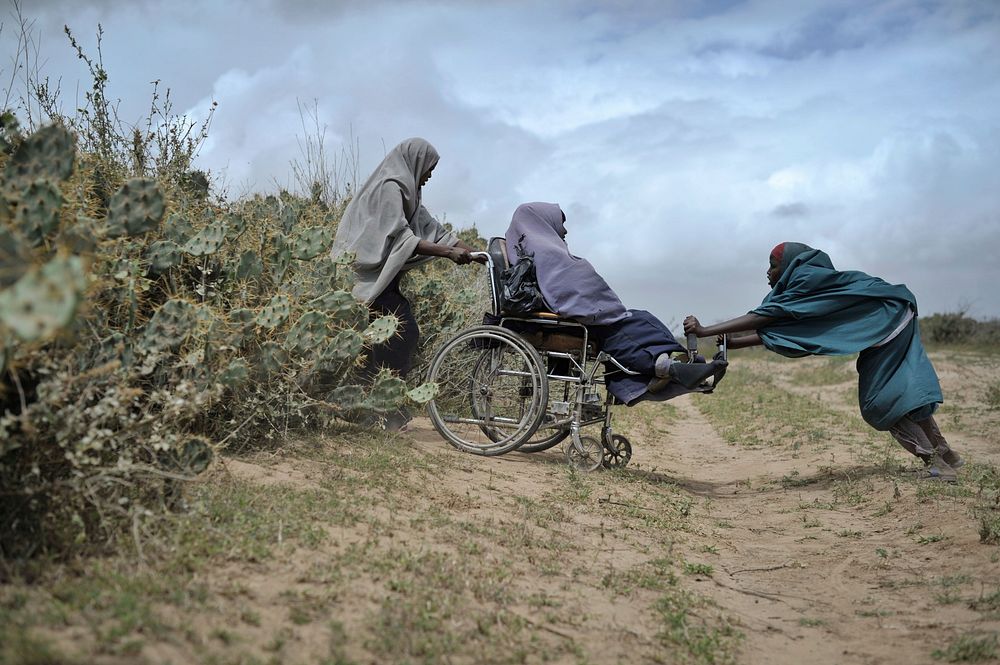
{"x":635,"y":342}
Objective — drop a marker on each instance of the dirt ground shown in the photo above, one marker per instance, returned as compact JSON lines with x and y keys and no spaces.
{"x":805,"y":575}
{"x":729,"y":538}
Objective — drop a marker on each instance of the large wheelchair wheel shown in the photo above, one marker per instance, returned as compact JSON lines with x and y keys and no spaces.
{"x":492,"y":390}
{"x":543,"y":437}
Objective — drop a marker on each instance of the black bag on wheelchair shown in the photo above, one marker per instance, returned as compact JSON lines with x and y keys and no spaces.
{"x":519,"y":289}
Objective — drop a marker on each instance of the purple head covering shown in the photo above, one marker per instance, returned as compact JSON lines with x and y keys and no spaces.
{"x":570,"y":285}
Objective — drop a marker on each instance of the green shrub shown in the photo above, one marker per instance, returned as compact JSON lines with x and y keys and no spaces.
{"x":958,"y":328}
{"x":144,"y":325}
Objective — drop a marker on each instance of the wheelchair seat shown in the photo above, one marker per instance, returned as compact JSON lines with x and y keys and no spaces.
{"x":541,"y":329}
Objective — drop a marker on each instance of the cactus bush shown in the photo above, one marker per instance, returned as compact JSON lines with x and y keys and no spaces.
{"x":142,"y":325}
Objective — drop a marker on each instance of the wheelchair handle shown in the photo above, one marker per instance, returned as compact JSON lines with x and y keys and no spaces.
{"x":486,"y":255}
{"x":692,"y":344}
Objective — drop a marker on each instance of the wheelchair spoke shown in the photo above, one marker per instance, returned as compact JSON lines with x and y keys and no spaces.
{"x":491,"y":391}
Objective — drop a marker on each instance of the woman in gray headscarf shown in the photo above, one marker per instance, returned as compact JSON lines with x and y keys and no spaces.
{"x":389,"y":231}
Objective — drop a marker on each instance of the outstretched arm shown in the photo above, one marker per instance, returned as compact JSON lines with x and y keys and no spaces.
{"x":742,"y":340}
{"x":460,"y":253}
{"x":747,"y":322}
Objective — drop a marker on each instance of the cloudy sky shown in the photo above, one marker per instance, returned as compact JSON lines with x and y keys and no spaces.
{"x":683,"y":139}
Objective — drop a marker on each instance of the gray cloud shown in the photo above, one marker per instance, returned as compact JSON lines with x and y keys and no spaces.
{"x":683,"y":139}
{"x":797,"y":209}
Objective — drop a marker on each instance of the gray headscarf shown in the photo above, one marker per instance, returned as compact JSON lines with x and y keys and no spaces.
{"x":385,"y":220}
{"x":570,"y":285}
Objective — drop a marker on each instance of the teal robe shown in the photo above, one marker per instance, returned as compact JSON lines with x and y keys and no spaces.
{"x":819,"y":310}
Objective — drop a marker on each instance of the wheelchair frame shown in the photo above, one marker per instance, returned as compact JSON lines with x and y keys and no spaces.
{"x":508,"y":384}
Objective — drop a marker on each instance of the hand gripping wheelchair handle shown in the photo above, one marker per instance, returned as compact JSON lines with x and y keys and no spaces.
{"x":692,"y":346}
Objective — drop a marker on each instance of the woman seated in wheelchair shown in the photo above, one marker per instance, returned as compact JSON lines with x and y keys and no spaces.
{"x":574,"y":290}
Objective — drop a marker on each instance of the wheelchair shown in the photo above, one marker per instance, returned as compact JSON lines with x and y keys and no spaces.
{"x":530,"y":382}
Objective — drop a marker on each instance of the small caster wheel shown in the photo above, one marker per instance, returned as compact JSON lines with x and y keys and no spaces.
{"x":584,"y":453}
{"x":617,"y":452}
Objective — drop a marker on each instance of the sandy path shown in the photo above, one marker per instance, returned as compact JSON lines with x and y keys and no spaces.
{"x":807,"y":583}
{"x":799,"y":568}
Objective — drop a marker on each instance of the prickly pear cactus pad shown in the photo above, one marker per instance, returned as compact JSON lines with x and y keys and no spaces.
{"x":163,"y":255}
{"x":44,"y":300}
{"x":235,"y":374}
{"x":38,"y":210}
{"x":49,"y":153}
{"x":272,"y":359}
{"x":79,"y":237}
{"x":249,"y":265}
{"x":345,"y":259}
{"x":308,"y":334}
{"x":346,"y":345}
{"x":342,"y":306}
{"x":347,"y":398}
{"x":170,"y":326}
{"x":423,"y":393}
{"x":207,"y":241}
{"x":386,"y":394}
{"x":235,"y":225}
{"x":382,"y":329}
{"x":136,"y":208}
{"x":242,"y":322}
{"x":178,"y":228}
{"x":15,"y":258}
{"x":275,"y":312}
{"x":309,"y":243}
{"x":280,"y":258}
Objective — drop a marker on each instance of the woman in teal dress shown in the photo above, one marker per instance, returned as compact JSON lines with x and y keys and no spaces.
{"x":815,"y":309}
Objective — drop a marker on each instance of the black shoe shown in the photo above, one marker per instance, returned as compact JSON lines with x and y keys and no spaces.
{"x":691,"y":375}
{"x":953,"y":459}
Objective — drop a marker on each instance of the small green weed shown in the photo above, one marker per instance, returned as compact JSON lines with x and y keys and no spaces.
{"x":970,"y":648}
{"x":698,"y":569}
{"x":987,"y":603}
{"x":932,"y":538}
{"x":992,"y":395}
{"x":884,"y":510}
{"x":704,"y":639}
{"x":655,"y":575}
